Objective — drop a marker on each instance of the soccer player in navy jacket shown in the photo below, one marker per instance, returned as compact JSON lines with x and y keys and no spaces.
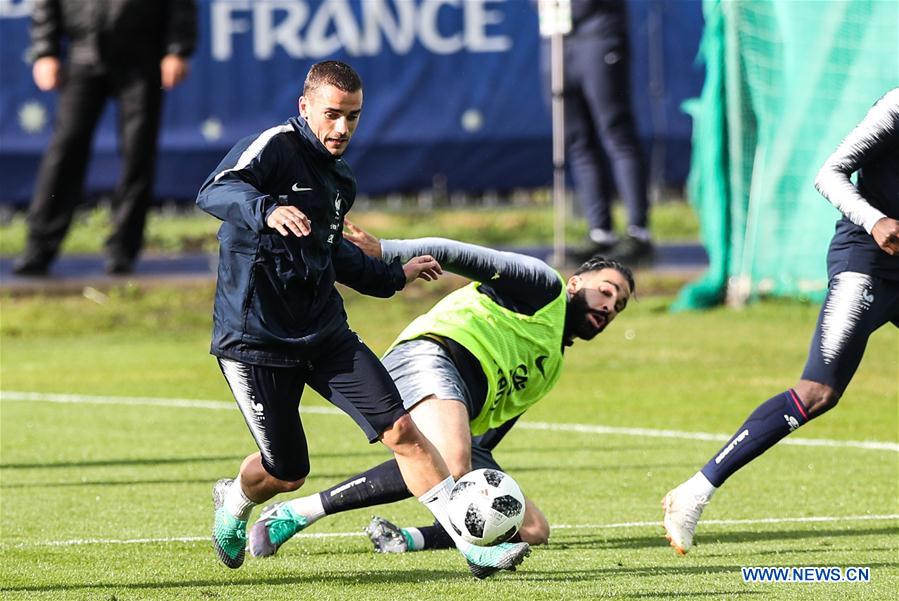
{"x":862,"y":296}
{"x":279,"y":322}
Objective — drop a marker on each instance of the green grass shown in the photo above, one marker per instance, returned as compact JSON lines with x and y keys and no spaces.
{"x":119,"y":472}
{"x":505,"y":226}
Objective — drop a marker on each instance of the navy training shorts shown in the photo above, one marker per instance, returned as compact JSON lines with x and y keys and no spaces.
{"x":344,"y":371}
{"x":856,"y":305}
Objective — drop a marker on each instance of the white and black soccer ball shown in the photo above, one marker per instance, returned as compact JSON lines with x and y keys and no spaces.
{"x":486,"y":507}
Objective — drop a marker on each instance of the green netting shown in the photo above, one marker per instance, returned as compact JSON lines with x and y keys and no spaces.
{"x":786,"y":80}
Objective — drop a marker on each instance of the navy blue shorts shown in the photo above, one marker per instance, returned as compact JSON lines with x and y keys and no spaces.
{"x":344,"y":371}
{"x":856,"y":305}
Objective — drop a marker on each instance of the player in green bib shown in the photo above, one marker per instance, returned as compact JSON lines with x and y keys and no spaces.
{"x":466,"y":370}
{"x":520,"y":354}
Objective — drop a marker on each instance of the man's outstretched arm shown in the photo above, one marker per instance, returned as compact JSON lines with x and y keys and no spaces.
{"x":526,"y":280}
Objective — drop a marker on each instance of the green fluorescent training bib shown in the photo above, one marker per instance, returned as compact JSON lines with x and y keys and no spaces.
{"x":521,"y":355}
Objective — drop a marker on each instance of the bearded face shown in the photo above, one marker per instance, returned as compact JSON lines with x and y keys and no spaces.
{"x":595,"y":299}
{"x":586,"y":320}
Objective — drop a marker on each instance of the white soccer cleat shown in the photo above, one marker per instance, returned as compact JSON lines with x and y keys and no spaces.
{"x":682,"y":511}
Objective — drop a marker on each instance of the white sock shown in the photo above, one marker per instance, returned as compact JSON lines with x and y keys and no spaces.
{"x":418,"y":540}
{"x":236,"y":502}
{"x":435,"y":500}
{"x":309,"y":507}
{"x":603,"y":236}
{"x":700,"y":486}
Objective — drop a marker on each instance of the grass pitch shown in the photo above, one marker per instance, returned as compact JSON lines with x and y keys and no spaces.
{"x":109,"y":498}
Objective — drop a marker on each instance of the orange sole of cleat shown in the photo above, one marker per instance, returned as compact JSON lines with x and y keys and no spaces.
{"x":680,"y":550}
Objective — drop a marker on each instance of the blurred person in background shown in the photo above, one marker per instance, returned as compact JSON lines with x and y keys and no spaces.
{"x":601,"y":144}
{"x":862,"y":296}
{"x":91,"y":51}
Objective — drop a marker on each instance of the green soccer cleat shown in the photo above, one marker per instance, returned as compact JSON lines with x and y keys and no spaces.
{"x":486,"y":561}
{"x":229,"y":534}
{"x":276,"y":524}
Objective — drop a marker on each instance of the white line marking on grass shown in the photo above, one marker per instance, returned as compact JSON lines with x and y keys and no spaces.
{"x":874,"y":445}
{"x":313,"y":535}
{"x":79,"y":399}
{"x":650,"y":433}
{"x":808,"y":519}
{"x":173,"y":539}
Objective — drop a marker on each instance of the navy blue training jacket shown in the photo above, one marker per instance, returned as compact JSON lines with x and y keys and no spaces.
{"x":275,"y":299}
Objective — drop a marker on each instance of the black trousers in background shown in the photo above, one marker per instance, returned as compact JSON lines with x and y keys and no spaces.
{"x":60,"y":180}
{"x":601,"y":140}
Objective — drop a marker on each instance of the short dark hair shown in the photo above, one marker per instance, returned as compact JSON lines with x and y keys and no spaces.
{"x":332,"y":73}
{"x":598,"y":263}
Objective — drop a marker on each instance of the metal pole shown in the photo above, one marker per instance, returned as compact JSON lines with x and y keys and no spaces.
{"x":560,"y":209}
{"x":657,"y":93}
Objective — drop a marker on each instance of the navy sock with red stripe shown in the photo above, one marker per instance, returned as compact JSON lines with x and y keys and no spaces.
{"x":771,"y":421}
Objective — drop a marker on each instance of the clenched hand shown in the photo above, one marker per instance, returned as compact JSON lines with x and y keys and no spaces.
{"x":289,"y":220}
{"x":886,"y":234}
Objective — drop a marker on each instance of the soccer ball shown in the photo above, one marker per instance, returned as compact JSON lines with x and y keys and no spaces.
{"x":486,"y":507}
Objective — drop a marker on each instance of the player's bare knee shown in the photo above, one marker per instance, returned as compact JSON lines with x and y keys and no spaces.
{"x":291,"y":485}
{"x":401,"y":433}
{"x":289,"y":477}
{"x":816,"y":397}
{"x":287,"y":481}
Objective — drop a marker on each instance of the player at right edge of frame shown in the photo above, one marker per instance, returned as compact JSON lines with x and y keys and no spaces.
{"x":862,"y":296}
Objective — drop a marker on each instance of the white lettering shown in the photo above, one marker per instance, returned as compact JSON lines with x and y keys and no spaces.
{"x":267,"y":36}
{"x":477,"y":19}
{"x":303,"y":29}
{"x":225,"y":25}
{"x":733,"y":444}
{"x":348,"y":485}
{"x":331,"y":28}
{"x":15,"y":9}
{"x":429,"y":31}
{"x":399,"y":31}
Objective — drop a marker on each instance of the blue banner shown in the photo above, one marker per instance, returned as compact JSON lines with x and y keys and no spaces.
{"x":453,"y":91}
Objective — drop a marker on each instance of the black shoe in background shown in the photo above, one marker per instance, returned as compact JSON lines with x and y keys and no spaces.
{"x":633,"y":251}
{"x":31,"y":268}
{"x":582,"y":255}
{"x":119,"y":266}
